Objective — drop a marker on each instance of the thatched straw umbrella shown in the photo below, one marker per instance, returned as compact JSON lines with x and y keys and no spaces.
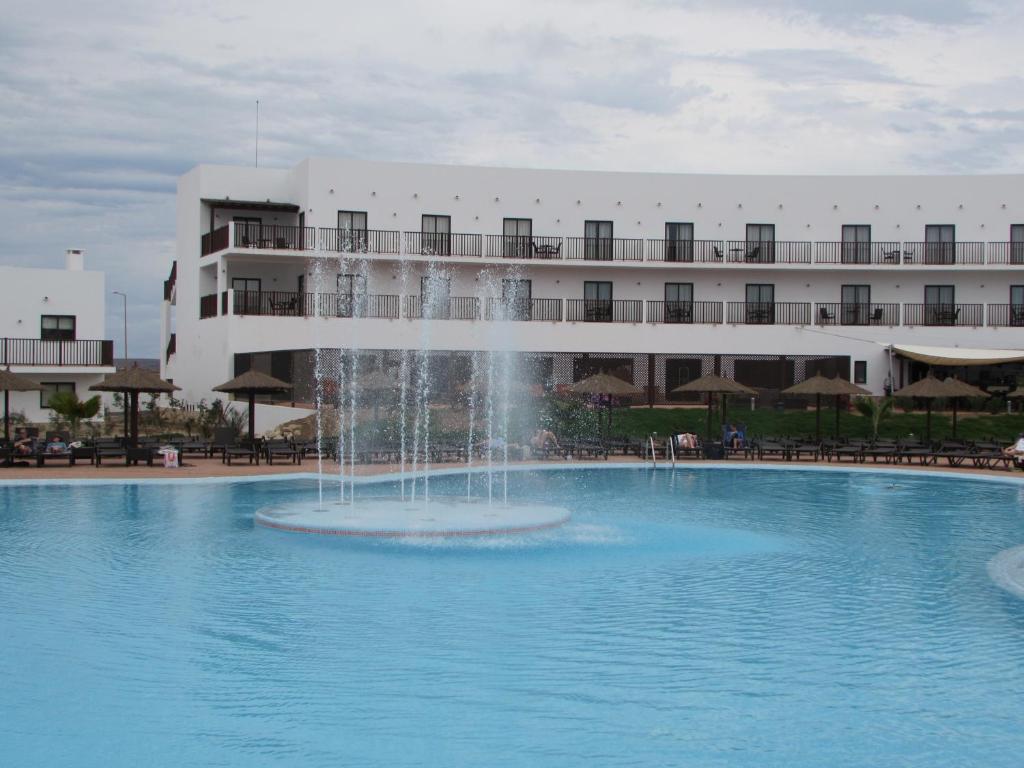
{"x":712,"y":385}
{"x":819,"y":385}
{"x":253,"y":383}
{"x":12,"y":382}
{"x":132,"y":381}
{"x":928,"y":389}
{"x":960,"y":389}
{"x":605,"y":384}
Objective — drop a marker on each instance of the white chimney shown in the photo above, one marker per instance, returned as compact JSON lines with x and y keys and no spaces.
{"x":74,"y":259}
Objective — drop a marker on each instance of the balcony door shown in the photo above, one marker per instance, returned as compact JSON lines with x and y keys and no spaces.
{"x":678,"y":241}
{"x":351,"y":295}
{"x":516,"y":296}
{"x":597,"y":301}
{"x":856,"y":244}
{"x":598,"y":240}
{"x":1017,"y":305}
{"x":517,"y":242}
{"x":352,"y":231}
{"x":436,"y":235}
{"x":248,"y":231}
{"x":940,"y":305}
{"x":940,"y":244}
{"x":760,"y":246}
{"x":1017,"y":244}
{"x":435,"y":297}
{"x":760,"y":304}
{"x":855,"y":304}
{"x":678,"y":302}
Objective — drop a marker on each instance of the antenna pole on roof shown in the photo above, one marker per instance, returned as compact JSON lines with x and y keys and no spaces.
{"x":257,"y":133}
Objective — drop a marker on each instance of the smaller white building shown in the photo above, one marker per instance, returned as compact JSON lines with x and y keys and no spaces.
{"x":52,"y":329}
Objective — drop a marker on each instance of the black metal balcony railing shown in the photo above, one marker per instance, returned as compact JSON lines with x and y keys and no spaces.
{"x":280,"y":237}
{"x":172,"y":347}
{"x":769,"y":252}
{"x":452,"y":308}
{"x":769,"y":312}
{"x":838,"y":313}
{"x":372,"y":306}
{"x":170,"y":281}
{"x":360,"y":240}
{"x":604,"y":249}
{"x":214,"y":241}
{"x":549,"y":310}
{"x":524,"y":247}
{"x":41,"y":352}
{"x":293,"y":304}
{"x":857,"y":253}
{"x":208,"y":306}
{"x":687,"y":251}
{"x":1005,"y":315}
{"x":943,"y":314}
{"x":1006,"y":253}
{"x":709,"y":312}
{"x":443,"y":244}
{"x":944,"y":253}
{"x":604,"y":310}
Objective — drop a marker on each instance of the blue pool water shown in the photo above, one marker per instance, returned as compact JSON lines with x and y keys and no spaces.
{"x":695,"y":617}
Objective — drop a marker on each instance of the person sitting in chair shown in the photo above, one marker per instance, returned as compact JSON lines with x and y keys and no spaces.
{"x":22,"y":443}
{"x":1017,"y":449}
{"x":544,"y":438}
{"x":733,"y":437}
{"x":56,"y":445}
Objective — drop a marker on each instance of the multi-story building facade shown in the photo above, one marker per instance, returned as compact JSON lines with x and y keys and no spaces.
{"x":657,"y":277}
{"x":52,"y":329}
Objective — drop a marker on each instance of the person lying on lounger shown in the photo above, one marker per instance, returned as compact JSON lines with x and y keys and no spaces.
{"x":1017,"y":449}
{"x":56,"y":445}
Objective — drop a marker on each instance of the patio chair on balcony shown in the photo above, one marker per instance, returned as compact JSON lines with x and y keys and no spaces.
{"x":288,"y":307}
{"x":753,"y":255}
{"x":825,"y":316}
{"x":1016,"y":314}
{"x":719,"y":256}
{"x":876,"y":315}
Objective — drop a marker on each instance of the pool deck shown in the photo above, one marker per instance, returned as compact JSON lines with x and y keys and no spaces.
{"x":201,"y":468}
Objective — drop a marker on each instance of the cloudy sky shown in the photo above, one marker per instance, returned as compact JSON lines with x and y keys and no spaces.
{"x":102,"y":106}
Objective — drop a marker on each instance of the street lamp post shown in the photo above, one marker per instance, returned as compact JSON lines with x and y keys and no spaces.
{"x":125,"y":297}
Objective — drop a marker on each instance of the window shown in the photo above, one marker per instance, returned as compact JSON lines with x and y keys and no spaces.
{"x":856,"y":304}
{"x":760,"y":244}
{"x":939,"y":244}
{"x":597,"y":240}
{"x":1017,"y":305}
{"x":516,"y":298}
{"x":57,"y":328}
{"x":597,"y":301}
{"x":1017,"y":244}
{"x":678,"y":302}
{"x":860,"y":371}
{"x":352,"y":231}
{"x":517,"y":242}
{"x":678,"y":241}
{"x":248,"y":230}
{"x":51,"y":388}
{"x":251,"y":284}
{"x":351,"y":295}
{"x":760,"y":303}
{"x":856,"y":244}
{"x":940,"y":305}
{"x":436,"y":235}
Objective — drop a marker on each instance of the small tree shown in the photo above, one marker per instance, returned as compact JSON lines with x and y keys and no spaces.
{"x":875,"y":408}
{"x":68,"y":406}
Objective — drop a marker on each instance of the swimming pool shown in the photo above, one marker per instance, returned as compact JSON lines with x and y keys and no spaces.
{"x":694,"y":617}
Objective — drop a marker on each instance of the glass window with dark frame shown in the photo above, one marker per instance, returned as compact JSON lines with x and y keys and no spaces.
{"x":597,"y":301}
{"x":856,"y":245}
{"x":517,"y":298}
{"x":678,"y":302}
{"x":435,"y":297}
{"x":351,"y":296}
{"x":598,"y":240}
{"x":1016,"y":305}
{"x":860,"y":371}
{"x":940,"y":305}
{"x":248,"y":294}
{"x":760,"y":304}
{"x":436,"y":235}
{"x":678,"y":241}
{"x":1017,"y":243}
{"x":760,"y":244}
{"x":940,"y":244}
{"x":57,"y":327}
{"x":352,"y":233}
{"x":855,"y":304}
{"x":50,"y":388}
{"x":517,"y":238}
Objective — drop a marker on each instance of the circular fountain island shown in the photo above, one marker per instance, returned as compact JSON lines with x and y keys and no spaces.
{"x":389,"y":517}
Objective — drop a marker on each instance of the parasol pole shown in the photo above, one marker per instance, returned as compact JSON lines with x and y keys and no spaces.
{"x":817,"y":416}
{"x":252,"y":416}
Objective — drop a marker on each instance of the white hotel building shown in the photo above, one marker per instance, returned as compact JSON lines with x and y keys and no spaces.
{"x":659,"y":278}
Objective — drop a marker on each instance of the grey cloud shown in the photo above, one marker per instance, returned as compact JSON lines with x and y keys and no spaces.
{"x":861,"y":13}
{"x":814,"y":67}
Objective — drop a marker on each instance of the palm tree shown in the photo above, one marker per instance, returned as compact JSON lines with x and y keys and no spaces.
{"x":68,"y":405}
{"x":876,"y":409}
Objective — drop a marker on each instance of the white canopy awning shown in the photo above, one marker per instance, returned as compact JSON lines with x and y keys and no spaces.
{"x":957,"y":355}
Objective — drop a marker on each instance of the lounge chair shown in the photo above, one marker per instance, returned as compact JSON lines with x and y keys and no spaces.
{"x":281,"y":449}
{"x":241,"y":450}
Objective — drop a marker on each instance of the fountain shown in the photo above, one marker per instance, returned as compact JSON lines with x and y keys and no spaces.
{"x":487,"y":398}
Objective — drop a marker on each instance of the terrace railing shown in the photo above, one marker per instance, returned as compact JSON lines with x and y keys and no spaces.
{"x":769,"y":312}
{"x":360,"y":240}
{"x":858,"y":253}
{"x":443,"y":244}
{"x":1005,"y":315}
{"x":686,"y":251}
{"x":281,"y":237}
{"x":685,"y":312}
{"x":548,"y":310}
{"x":214,"y":241}
{"x":944,"y":253}
{"x":838,"y":313}
{"x":604,"y":249}
{"x":80,"y":352}
{"x":208,"y":306}
{"x":452,"y":308}
{"x":769,"y":252}
{"x":524,"y":247}
{"x":604,"y":310}
{"x":1006,"y":253}
{"x":944,"y":314}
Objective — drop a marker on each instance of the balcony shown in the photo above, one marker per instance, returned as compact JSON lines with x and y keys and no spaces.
{"x":241,"y":234}
{"x":943,"y":253}
{"x":81,"y":352}
{"x":524,"y":247}
{"x":684,"y":312}
{"x":769,"y":252}
{"x":443,"y":244}
{"x":837,"y":313}
{"x":769,"y":312}
{"x":604,"y":249}
{"x":1006,"y":253}
{"x":1005,"y":315}
{"x":172,"y":347}
{"x":170,"y":281}
{"x":293,"y":304}
{"x":451,"y":308}
{"x":360,"y":240}
{"x":604,"y":310}
{"x":944,"y":314}
{"x":549,"y":310}
{"x":686,"y":251}
{"x":857,"y":253}
{"x":207,"y":306}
